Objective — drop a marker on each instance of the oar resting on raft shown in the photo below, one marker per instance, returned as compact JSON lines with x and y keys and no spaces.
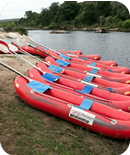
{"x":29,"y":39}
{"x":5,"y":48}
{"x":88,"y":95}
{"x":40,"y":88}
{"x":43,"y":62}
{"x":16,"y":49}
{"x":36,"y":86}
{"x":22,"y":41}
{"x":13,"y":48}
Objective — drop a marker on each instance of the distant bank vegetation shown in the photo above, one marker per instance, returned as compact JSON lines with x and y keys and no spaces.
{"x":71,"y":15}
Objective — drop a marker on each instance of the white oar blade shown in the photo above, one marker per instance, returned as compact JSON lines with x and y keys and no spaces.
{"x":29,"y":39}
{"x":22,"y":41}
{"x":4,"y":49}
{"x":12,"y":48}
{"x":13,"y":35}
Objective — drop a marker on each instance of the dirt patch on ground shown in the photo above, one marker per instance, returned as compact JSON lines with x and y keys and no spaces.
{"x":25,"y":130}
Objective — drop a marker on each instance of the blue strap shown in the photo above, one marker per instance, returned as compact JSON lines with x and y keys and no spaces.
{"x":50,"y":77}
{"x":94,"y":70}
{"x":64,"y":56}
{"x":62,"y":62}
{"x":110,"y":88}
{"x":88,"y":78}
{"x":45,"y":48}
{"x":55,"y":69}
{"x":58,"y":51}
{"x":86,"y":104}
{"x":110,"y":70}
{"x":87,"y":89}
{"x":38,"y":86}
{"x":82,"y":58}
{"x":92,"y":64}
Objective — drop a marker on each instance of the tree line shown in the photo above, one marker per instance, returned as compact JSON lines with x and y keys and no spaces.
{"x":72,"y":14}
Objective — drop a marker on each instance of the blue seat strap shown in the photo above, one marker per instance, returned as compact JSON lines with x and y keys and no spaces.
{"x":94,"y":70}
{"x":64,"y":56}
{"x":50,"y":77}
{"x":55,"y":69}
{"x":62,"y":62}
{"x":86,"y":104}
{"x":110,"y":89}
{"x":82,"y":58}
{"x":38,"y":86}
{"x":45,"y":48}
{"x":88,"y":78}
{"x":92,"y":64}
{"x":110,"y":70}
{"x":87,"y":89}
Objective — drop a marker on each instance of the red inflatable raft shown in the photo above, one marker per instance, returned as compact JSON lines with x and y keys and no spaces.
{"x":75,"y":88}
{"x":69,"y":112}
{"x":80,"y":58}
{"x":119,"y":88}
{"x":105,"y":74}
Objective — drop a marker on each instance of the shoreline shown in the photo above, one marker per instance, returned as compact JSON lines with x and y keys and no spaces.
{"x":84,"y":29}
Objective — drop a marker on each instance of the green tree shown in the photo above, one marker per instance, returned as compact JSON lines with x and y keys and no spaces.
{"x":90,"y":14}
{"x":104,"y":8}
{"x":126,"y":24}
{"x":67,"y":11}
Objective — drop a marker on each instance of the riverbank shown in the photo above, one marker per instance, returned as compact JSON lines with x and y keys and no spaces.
{"x":30,"y":131}
{"x":82,"y":29}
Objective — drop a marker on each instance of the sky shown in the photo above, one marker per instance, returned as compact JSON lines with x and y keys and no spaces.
{"x":16,"y":9}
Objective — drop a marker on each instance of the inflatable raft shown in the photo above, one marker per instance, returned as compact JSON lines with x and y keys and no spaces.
{"x":77,"y":114}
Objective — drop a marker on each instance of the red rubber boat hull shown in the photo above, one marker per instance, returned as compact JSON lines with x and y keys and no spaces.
{"x":110,"y":63}
{"x":98,"y":64}
{"x":99,"y":124}
{"x":119,"y":88}
{"x":72,"y":87}
{"x":103,"y":73}
{"x":29,"y":50}
{"x":77,"y":52}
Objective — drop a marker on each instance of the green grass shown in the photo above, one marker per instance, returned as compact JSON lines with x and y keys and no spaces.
{"x":6,"y":56}
{"x":38,"y":133}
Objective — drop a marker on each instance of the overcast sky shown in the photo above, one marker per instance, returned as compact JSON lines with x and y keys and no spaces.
{"x":16,"y":9}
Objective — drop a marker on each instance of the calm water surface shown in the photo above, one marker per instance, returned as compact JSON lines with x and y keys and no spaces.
{"x":110,"y":46}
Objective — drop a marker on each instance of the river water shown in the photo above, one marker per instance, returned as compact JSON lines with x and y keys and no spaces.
{"x":110,"y":46}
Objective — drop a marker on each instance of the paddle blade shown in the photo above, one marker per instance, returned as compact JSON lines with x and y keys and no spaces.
{"x":16,"y":45}
{"x":12,"y":48}
{"x":29,"y":39}
{"x":4,"y":49}
{"x":22,"y":41}
{"x":13,"y":35}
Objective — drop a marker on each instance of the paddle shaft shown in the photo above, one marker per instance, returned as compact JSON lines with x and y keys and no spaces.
{"x":10,"y":68}
{"x":43,"y":52}
{"x":21,"y":58}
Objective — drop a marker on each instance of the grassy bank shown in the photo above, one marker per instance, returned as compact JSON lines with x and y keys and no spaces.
{"x":27,"y":131}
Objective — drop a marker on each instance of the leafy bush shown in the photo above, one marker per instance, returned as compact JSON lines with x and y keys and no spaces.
{"x":53,"y":26}
{"x":126,"y":24}
{"x":21,"y":30}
